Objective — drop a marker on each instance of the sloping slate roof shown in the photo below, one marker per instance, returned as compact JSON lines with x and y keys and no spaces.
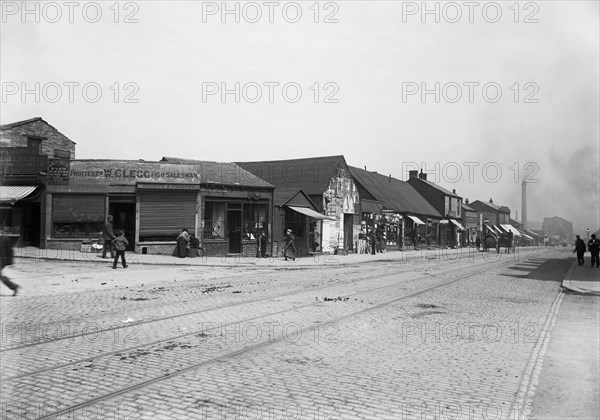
{"x":437,"y":187}
{"x":30,"y":121}
{"x":486,"y":205}
{"x":312,"y":175}
{"x":467,"y":207}
{"x":397,"y":195}
{"x":18,"y":123}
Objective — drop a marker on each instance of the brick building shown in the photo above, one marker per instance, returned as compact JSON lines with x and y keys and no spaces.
{"x":31,"y":152}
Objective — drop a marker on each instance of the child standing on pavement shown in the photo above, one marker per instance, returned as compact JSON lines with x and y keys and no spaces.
{"x":121,"y":244}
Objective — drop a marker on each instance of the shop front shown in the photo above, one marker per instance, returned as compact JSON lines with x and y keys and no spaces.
{"x":152,"y":202}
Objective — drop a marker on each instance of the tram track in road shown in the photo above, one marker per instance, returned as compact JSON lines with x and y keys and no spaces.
{"x":285,"y":309}
{"x":128,"y":311}
{"x":245,"y":349}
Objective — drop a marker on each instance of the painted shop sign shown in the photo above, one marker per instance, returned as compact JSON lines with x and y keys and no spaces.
{"x":168,"y":186}
{"x":132,"y":173}
{"x":58,"y":172}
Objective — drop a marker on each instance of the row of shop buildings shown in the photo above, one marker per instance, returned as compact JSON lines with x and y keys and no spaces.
{"x":50,"y":199}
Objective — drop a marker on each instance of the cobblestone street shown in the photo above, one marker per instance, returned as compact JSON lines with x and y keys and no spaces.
{"x":422,"y":338}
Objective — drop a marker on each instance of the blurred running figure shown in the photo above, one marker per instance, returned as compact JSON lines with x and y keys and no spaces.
{"x":6,"y":251}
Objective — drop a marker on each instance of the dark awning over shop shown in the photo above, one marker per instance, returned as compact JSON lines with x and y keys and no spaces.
{"x":310,"y":213}
{"x":12,"y":194}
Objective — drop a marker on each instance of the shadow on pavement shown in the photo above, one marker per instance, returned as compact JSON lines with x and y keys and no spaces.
{"x":546,"y":270}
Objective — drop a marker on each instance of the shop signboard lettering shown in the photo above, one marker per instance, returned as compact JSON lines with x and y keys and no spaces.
{"x":58,"y":172}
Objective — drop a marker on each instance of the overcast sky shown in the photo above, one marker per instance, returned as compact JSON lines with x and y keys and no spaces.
{"x":518,"y":88}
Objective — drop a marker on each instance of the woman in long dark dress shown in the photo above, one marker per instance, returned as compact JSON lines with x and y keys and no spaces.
{"x":290,"y":250}
{"x":182,"y":243}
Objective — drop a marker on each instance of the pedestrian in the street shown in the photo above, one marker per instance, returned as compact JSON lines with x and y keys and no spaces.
{"x":594,"y":248}
{"x":6,"y":252}
{"x":372,"y":241}
{"x":290,"y":251}
{"x":379,"y":239}
{"x":580,"y":250}
{"x":108,"y":236}
{"x":314,"y":239}
{"x":477,"y":242}
{"x":183,"y":241}
{"x":509,"y":244}
{"x":121,"y":243}
{"x":262,"y":245}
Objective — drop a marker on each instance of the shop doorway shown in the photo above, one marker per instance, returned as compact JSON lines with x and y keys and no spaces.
{"x":348,"y":231}
{"x":123,"y":214}
{"x":30,"y":224}
{"x":234,"y":231}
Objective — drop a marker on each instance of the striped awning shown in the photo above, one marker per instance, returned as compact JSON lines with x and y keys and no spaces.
{"x":510,"y":228}
{"x":12,"y":194}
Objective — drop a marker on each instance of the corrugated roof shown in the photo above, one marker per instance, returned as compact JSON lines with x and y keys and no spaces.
{"x":396,"y":195}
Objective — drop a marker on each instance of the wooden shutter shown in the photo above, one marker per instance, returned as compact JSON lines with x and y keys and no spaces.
{"x":78,"y":208}
{"x":166,"y":213}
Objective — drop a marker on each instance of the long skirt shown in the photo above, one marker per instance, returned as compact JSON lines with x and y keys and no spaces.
{"x":181,"y":247}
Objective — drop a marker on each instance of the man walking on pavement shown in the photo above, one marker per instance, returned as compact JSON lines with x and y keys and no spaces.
{"x":6,"y":253}
{"x":580,"y":250}
{"x":108,"y":236}
{"x":594,"y":248}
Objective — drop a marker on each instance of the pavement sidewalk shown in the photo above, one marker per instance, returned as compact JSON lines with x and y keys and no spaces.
{"x":583,"y":279}
{"x":240,"y":261}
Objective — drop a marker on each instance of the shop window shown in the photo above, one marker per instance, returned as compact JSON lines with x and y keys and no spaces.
{"x":77,"y":216}
{"x":254,"y":219}
{"x":214,"y":220}
{"x":77,"y":230}
{"x":296,"y":222}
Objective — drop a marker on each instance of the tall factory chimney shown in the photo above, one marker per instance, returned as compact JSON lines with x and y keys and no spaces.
{"x":524,"y":204}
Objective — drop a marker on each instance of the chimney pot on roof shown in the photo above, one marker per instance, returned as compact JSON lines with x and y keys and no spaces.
{"x":390,"y":178}
{"x":453,"y":190}
{"x":466,"y":201}
{"x":413,"y":174}
{"x":423,"y":176}
{"x":491,"y":201}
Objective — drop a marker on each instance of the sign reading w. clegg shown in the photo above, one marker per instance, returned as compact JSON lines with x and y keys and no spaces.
{"x":134,"y":172}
